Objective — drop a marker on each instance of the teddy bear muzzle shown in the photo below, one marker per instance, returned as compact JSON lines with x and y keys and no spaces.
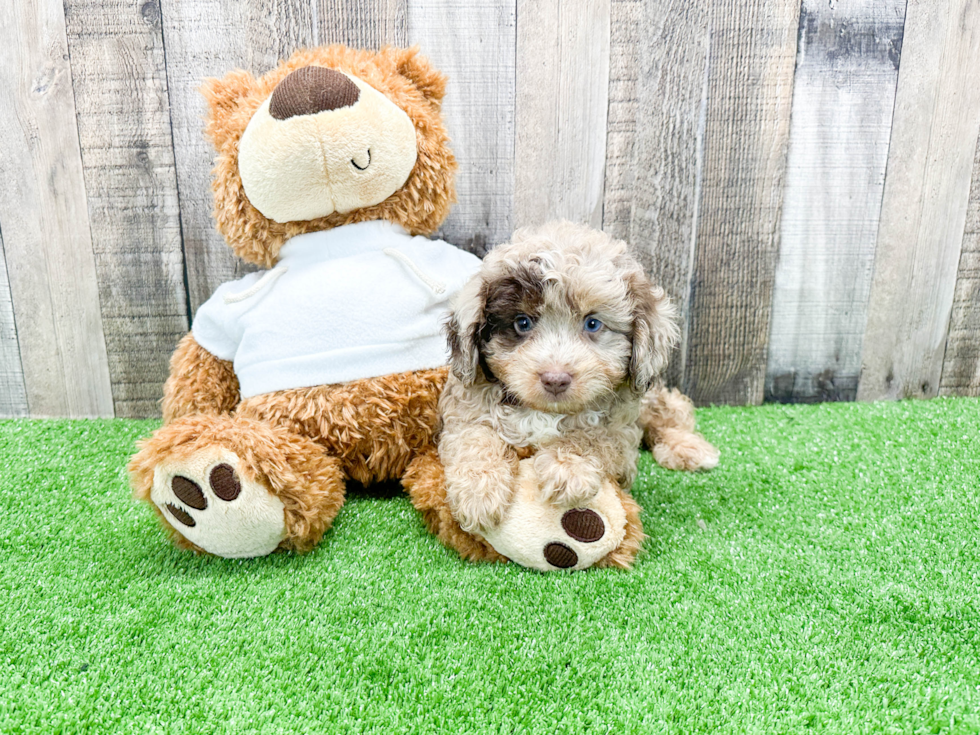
{"x":324,"y":141}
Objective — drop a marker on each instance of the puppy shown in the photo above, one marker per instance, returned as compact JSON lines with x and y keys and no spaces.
{"x":554,"y":347}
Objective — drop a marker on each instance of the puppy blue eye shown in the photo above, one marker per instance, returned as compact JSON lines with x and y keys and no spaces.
{"x":523,"y":324}
{"x":592,"y":324}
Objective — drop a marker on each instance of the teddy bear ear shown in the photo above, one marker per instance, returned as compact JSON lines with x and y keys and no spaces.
{"x":223,"y":97}
{"x":416,"y":68}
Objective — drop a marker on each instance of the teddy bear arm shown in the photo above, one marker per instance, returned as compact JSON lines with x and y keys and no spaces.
{"x":199,"y":383}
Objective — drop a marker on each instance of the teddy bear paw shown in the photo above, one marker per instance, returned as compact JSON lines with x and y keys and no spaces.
{"x":209,"y":503}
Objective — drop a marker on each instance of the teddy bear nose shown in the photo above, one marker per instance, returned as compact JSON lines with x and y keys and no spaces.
{"x":310,"y":90}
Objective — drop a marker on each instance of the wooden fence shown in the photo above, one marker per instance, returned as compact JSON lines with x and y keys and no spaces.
{"x":796,"y":173}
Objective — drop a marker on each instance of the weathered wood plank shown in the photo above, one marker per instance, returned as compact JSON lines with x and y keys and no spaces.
{"x":13,"y":396}
{"x":961,"y":364}
{"x":362,"y":23}
{"x":208,"y":38}
{"x":927,"y":185}
{"x":120,"y":85}
{"x":45,"y":221}
{"x":561,"y":109}
{"x":627,"y":51}
{"x":750,"y":87}
{"x":474,"y":44}
{"x":657,"y":109}
{"x":843,"y":96}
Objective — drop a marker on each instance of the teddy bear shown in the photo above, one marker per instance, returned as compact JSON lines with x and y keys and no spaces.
{"x":325,"y":366}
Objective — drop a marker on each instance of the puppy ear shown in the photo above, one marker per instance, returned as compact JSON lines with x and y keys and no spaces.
{"x":466,"y":320}
{"x":655,"y":333}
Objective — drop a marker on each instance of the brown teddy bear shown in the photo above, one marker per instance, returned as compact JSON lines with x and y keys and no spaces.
{"x":328,"y":364}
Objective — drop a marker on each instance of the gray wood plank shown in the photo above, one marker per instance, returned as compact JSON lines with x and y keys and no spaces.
{"x":362,"y":23}
{"x":627,"y":51}
{"x":923,"y":213}
{"x":561,"y":108}
{"x":45,"y":221}
{"x":655,"y":141}
{"x":750,"y":86}
{"x":13,"y":395}
{"x":843,"y":96}
{"x":961,"y":364}
{"x":209,"y":38}
{"x":474,"y":44}
{"x":120,"y":86}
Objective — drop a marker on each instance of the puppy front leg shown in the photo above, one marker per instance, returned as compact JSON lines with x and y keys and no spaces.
{"x":571,"y":469}
{"x":481,"y":473}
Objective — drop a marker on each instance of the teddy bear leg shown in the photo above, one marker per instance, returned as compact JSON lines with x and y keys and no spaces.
{"x":667,"y":420}
{"x":622,"y":556}
{"x":425,"y":483}
{"x":236,"y":487}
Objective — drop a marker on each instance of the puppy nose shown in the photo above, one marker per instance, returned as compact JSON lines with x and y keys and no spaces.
{"x":556,"y":383}
{"x":310,"y":90}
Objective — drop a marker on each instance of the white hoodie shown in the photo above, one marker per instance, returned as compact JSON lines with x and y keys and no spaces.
{"x":357,"y":301}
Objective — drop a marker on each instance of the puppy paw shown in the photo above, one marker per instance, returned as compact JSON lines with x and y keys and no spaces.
{"x":206,"y":499}
{"x":481,"y":504}
{"x":567,"y":479}
{"x":678,"y":449}
{"x":479,"y":513}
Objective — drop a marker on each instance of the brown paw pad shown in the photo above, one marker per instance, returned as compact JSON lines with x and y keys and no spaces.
{"x":559,"y":555}
{"x":181,"y":515}
{"x":224,"y":482}
{"x":583,"y":525}
{"x":189,"y":493}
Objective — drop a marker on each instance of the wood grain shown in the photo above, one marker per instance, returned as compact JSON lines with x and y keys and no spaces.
{"x":627,"y":32}
{"x":561,"y":108}
{"x":44,"y":219}
{"x":655,"y":141}
{"x":13,"y":396}
{"x":209,"y":38}
{"x":750,"y":87}
{"x":362,"y":23}
{"x":843,"y":96}
{"x":961,"y":364}
{"x":120,"y":85}
{"x":474,"y":44}
{"x":923,"y":213}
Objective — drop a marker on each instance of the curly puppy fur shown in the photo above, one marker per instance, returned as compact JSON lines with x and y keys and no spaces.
{"x":554,"y":346}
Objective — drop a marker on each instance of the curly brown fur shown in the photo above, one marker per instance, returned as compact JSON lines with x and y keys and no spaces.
{"x":402,"y":75}
{"x":667,"y":418}
{"x":199,"y":383}
{"x":425,"y":483}
{"x":293,"y":468}
{"x":375,"y":426}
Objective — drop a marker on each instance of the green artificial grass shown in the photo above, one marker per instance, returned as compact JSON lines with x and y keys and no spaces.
{"x":823,"y":579}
